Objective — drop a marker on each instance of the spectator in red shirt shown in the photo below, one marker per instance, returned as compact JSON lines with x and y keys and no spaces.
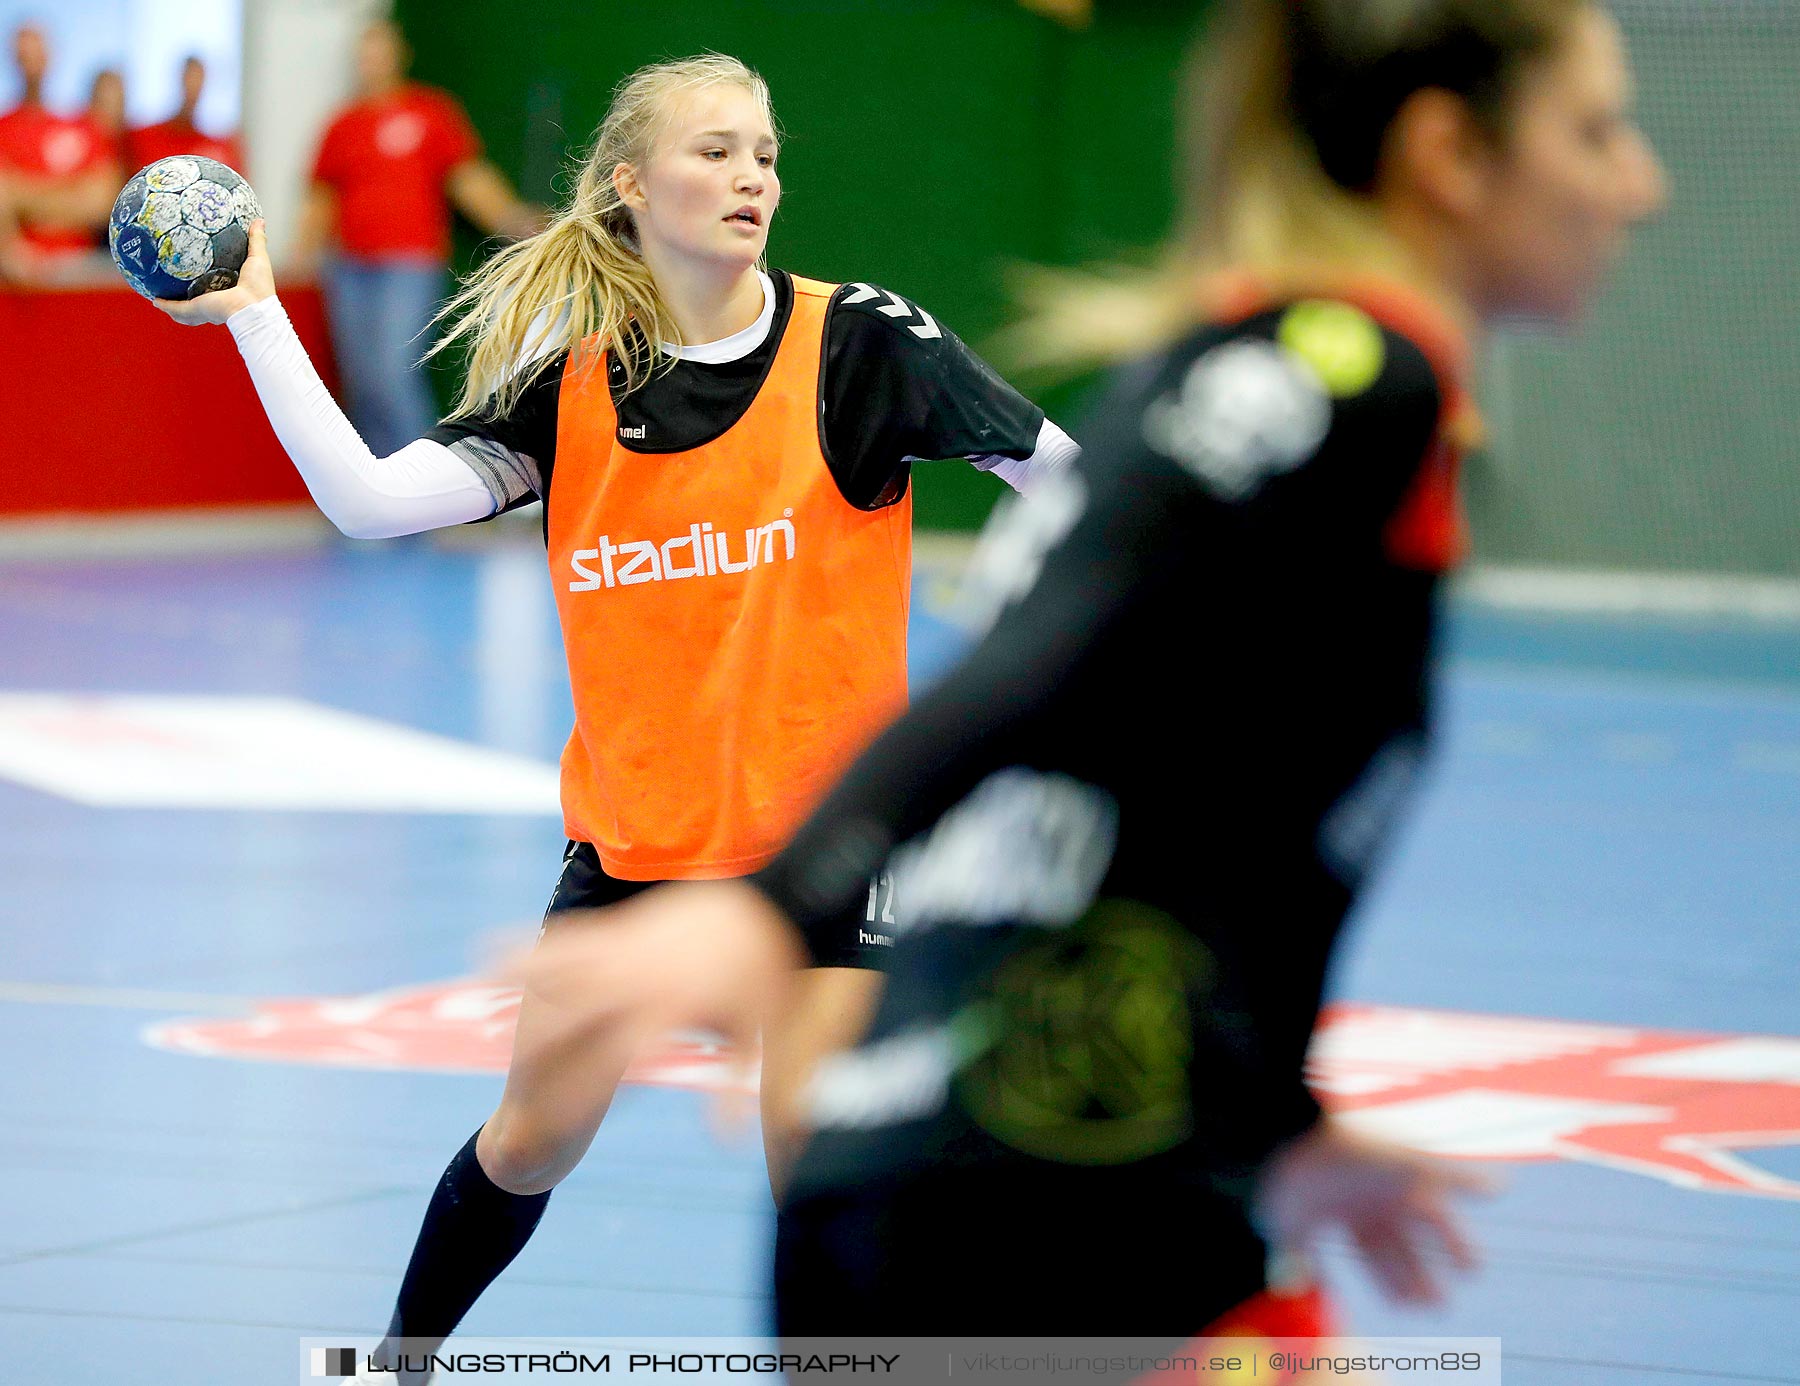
{"x":179,"y":135}
{"x":106,"y":114}
{"x":390,"y":167}
{"x":106,"y":111}
{"x":58,"y":175}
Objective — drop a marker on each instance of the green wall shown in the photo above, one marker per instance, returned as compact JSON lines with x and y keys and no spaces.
{"x":927,"y":144}
{"x":1662,"y":435}
{"x":931,"y":143}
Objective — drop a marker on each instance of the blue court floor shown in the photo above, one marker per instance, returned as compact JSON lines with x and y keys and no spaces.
{"x":1611,"y":839}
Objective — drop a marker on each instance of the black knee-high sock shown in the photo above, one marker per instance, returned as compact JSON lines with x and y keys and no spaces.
{"x":472,"y":1230}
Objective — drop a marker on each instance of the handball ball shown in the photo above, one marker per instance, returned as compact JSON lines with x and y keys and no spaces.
{"x":181,"y":228}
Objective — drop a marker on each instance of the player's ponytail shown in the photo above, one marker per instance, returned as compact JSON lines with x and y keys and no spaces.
{"x":581,"y":284}
{"x":1287,"y":108}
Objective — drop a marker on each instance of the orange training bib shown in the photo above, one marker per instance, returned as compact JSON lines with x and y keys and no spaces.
{"x":736,"y":630}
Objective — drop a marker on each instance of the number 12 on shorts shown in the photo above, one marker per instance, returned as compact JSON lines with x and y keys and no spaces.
{"x":878,"y":914}
{"x":880,"y":909}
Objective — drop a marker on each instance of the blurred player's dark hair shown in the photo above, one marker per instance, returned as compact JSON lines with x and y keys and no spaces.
{"x":1287,"y":112}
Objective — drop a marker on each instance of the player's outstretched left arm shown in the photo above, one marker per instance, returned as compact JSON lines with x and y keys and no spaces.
{"x":256,"y":281}
{"x":900,"y":386}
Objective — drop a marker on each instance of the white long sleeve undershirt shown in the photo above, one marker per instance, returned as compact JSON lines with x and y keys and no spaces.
{"x":1054,"y":451}
{"x":422,"y":486}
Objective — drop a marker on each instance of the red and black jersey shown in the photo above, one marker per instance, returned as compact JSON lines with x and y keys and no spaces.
{"x":1125,"y":832}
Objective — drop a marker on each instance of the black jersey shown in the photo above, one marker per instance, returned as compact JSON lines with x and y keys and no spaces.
{"x":897,"y":386}
{"x":1130,"y":824}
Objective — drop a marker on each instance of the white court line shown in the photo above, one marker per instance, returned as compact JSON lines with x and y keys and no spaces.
{"x":121,"y":998}
{"x":212,"y":751}
{"x":1777,"y":756}
{"x":252,"y":529}
{"x":1615,"y":593}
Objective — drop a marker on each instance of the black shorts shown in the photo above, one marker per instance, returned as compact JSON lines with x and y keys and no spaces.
{"x":859,"y":940}
{"x":1012,"y":1253}
{"x":584,"y":885}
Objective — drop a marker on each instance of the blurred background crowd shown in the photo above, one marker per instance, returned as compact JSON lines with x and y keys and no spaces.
{"x":389,"y":166}
{"x":934,"y":145}
{"x":60,"y":168}
{"x":86,"y":99}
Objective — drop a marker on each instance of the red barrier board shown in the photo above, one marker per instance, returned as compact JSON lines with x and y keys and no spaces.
{"x":109,"y":406}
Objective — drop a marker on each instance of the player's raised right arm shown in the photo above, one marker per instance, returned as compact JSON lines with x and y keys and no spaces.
{"x":422,"y":486}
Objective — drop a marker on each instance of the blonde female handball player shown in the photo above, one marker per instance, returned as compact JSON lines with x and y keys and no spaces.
{"x":723,"y":452}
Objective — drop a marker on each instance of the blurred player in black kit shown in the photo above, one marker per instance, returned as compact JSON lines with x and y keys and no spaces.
{"x":1127,"y":829}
